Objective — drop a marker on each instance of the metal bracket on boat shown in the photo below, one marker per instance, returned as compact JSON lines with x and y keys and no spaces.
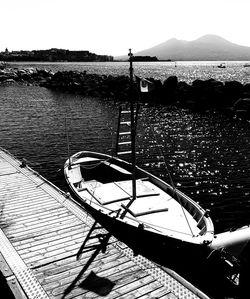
{"x":206,"y":242}
{"x":117,"y":213}
{"x":67,"y":195}
{"x":23,"y":163}
{"x":126,"y":209}
{"x":141,"y":226}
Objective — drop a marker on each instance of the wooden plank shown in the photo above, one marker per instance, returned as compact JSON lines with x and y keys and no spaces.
{"x":159,"y":292}
{"x":40,"y":228}
{"x":52,"y":254}
{"x":104,"y":263}
{"x":19,"y":228}
{"x":49,"y":243}
{"x":29,"y":202}
{"x":47,"y":234}
{"x":26,"y":210}
{"x":32,"y":211}
{"x":116,"y":267}
{"x":12,"y":193}
{"x":40,"y":216}
{"x":26,"y":200}
{"x":34,"y":233}
{"x":127,"y":286}
{"x":145,"y":288}
{"x":68,"y":243}
{"x":15,"y":225}
{"x":123,"y":271}
{"x":15,"y":194}
{"x":71,"y":262}
{"x":119,"y":281}
{"x":51,"y":257}
{"x":17,"y":184}
{"x":49,"y":237}
{"x":131,"y":289}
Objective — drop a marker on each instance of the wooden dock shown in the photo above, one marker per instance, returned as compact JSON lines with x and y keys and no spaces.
{"x":47,"y":251}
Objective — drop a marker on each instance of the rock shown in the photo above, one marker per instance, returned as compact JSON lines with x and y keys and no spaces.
{"x":242,"y":103}
{"x":246,"y":90}
{"x":233,"y":90}
{"x":170,"y":88}
{"x":208,"y":94}
{"x":242,"y":107}
{"x":184,"y":93}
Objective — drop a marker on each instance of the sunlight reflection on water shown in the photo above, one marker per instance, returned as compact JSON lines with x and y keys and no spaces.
{"x":208,"y":157}
{"x":184,"y":70}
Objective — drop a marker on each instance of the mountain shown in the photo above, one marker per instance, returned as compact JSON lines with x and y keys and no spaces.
{"x":208,"y":47}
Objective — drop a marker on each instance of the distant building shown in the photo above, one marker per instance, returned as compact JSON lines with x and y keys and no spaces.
{"x":53,"y":54}
{"x":145,"y":58}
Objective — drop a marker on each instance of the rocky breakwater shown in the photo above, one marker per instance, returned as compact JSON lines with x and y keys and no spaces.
{"x":114,"y":87}
{"x":232,"y":97}
{"x":28,"y":76}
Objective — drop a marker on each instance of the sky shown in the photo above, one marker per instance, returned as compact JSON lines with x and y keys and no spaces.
{"x":111,"y":27}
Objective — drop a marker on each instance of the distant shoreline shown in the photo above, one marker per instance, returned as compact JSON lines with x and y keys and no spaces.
{"x":118,"y":60}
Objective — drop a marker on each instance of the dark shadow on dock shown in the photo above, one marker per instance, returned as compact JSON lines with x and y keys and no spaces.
{"x":100,"y":285}
{"x":3,"y":224}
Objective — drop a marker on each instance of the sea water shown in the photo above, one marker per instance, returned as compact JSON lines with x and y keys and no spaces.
{"x":207,"y":154}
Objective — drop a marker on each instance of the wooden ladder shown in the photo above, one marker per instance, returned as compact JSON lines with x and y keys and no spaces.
{"x":123,"y":137}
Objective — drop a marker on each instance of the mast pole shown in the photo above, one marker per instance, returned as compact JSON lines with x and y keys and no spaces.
{"x":133,"y":134}
{"x":133,"y":128}
{"x":67,"y":135}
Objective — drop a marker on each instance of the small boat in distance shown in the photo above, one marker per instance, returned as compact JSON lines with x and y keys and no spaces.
{"x":222,"y":65}
{"x":246,"y":65}
{"x":141,"y":208}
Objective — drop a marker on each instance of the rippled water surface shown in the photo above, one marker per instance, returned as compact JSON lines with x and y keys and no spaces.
{"x":185,"y":71}
{"x":208,"y":155}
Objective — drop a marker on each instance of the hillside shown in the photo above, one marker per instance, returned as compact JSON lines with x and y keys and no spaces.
{"x":208,"y":47}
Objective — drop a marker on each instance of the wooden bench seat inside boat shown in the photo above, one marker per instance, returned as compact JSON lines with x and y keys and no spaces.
{"x":113,"y":192}
{"x":145,"y":212}
{"x":143,"y":188}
